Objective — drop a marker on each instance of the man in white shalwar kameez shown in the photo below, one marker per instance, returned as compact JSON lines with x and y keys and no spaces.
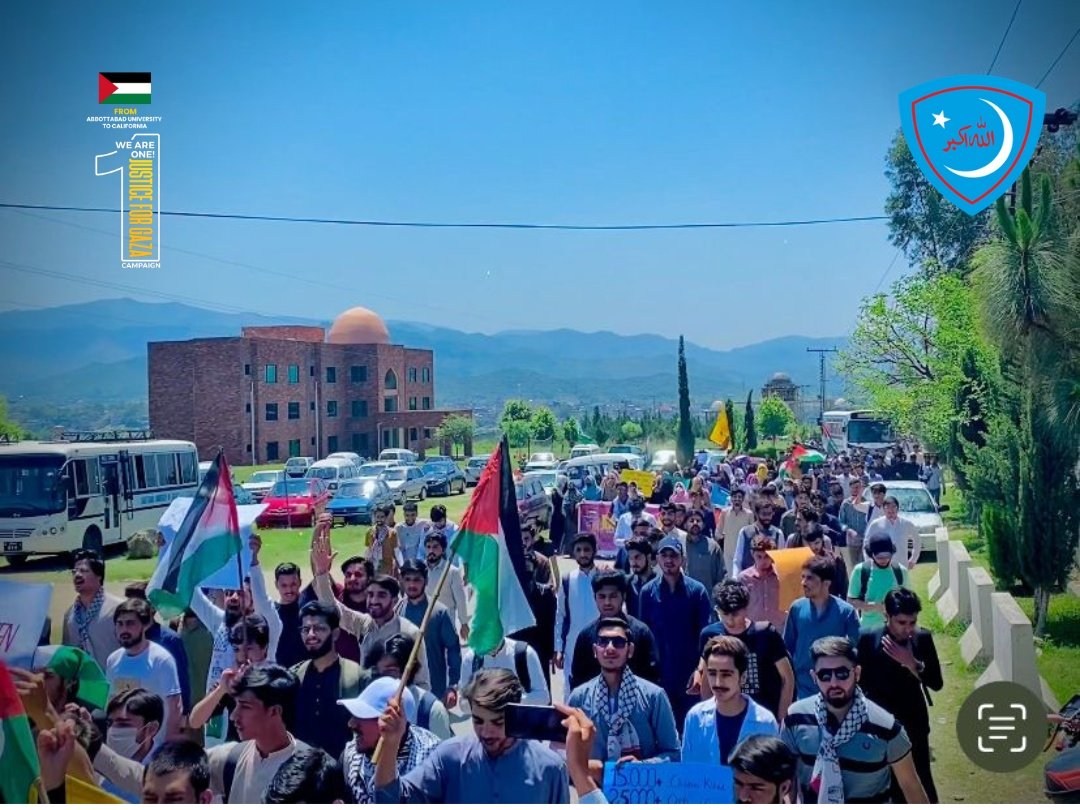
{"x":576,"y":605}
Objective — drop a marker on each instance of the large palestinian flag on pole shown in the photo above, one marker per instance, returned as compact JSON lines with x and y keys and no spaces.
{"x":206,"y":541}
{"x":489,"y":542}
{"x":19,"y":767}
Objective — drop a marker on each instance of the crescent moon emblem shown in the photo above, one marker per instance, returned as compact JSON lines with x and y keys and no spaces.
{"x":1002,"y":155}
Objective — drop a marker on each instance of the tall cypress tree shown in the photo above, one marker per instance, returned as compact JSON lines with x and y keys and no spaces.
{"x":684,"y":443}
{"x":729,"y":408}
{"x":749,"y":428}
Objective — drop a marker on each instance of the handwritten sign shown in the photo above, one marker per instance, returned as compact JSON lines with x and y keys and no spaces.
{"x":595,"y":518}
{"x":23,"y":609}
{"x":668,"y":783}
{"x":642,"y":478}
{"x":225,"y":577}
{"x":788,"y":563}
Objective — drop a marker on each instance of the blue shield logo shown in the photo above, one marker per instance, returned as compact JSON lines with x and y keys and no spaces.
{"x":972,"y":136}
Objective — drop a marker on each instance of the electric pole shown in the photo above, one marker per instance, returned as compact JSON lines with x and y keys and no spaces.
{"x":821,"y":355}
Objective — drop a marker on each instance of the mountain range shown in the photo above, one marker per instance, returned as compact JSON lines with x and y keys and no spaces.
{"x":96,"y":353}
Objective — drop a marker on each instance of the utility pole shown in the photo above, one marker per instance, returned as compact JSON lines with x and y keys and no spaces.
{"x":821,"y":355}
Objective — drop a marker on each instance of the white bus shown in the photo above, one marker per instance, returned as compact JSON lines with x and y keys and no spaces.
{"x":58,"y":497}
{"x":843,"y":430}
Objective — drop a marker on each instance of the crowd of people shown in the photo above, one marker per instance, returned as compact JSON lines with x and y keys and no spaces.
{"x":678,"y":650}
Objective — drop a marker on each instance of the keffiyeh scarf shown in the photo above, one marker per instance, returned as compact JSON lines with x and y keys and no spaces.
{"x":416,"y":746}
{"x":826,"y":778}
{"x":622,"y":737}
{"x":85,"y":617}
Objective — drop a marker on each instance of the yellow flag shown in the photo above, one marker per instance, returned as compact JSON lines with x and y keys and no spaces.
{"x":721,"y":432}
{"x":78,"y":792}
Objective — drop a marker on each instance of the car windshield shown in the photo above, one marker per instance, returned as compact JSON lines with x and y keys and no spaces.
{"x":328,"y":473}
{"x":913,"y":500}
{"x":364,"y":489}
{"x":477,"y":462}
{"x":29,"y":485}
{"x":264,"y":477}
{"x":395,"y":475}
{"x":547,"y":479}
{"x":290,"y":488}
{"x":436,"y":467}
{"x":373,"y":469}
{"x":869,"y":431}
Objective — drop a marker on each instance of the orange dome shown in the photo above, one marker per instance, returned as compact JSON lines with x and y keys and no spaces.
{"x":358,"y":325}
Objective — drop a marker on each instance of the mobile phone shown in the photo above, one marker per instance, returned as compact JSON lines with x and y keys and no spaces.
{"x":534,"y":723}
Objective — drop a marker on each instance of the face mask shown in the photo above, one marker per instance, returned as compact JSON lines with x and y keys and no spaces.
{"x":124,"y":741}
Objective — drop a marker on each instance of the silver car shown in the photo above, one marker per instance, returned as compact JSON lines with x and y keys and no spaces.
{"x":473,"y":468}
{"x":261,"y":482}
{"x":405,"y":482}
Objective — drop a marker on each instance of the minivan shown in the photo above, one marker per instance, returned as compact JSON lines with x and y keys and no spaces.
{"x":396,"y":454}
{"x":333,"y":471}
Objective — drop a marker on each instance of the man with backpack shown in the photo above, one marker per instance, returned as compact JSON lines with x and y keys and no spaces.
{"x":516,"y":656}
{"x":871,"y":581}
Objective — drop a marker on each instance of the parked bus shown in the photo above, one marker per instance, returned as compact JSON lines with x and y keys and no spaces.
{"x":843,"y":430}
{"x":58,"y":497}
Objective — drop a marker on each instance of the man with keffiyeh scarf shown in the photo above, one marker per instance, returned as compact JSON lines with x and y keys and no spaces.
{"x":856,"y":747}
{"x":88,"y":623}
{"x":633,"y":717}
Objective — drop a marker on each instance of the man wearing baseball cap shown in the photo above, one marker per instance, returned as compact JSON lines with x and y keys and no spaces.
{"x":872,"y":579}
{"x":416,"y":745}
{"x":676,"y":608}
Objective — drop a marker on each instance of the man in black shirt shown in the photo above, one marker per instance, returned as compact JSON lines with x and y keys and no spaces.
{"x":290,"y":649}
{"x":899,"y":664}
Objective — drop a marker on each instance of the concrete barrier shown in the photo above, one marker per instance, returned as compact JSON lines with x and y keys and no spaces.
{"x":977,"y":644}
{"x":955,"y":603}
{"x":1014,"y":650}
{"x":939,"y":582}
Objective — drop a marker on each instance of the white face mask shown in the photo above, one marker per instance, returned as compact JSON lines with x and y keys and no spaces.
{"x":124,"y":741}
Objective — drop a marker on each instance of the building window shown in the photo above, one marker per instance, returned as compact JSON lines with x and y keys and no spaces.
{"x":412,"y":375}
{"x":311,"y":371}
{"x":271,"y":411}
{"x":390,"y":380}
{"x":427,"y":403}
{"x":359,"y":408}
{"x":360,"y":443}
{"x":413,"y":434}
{"x":311,"y":406}
{"x":425,"y":374}
{"x":390,"y":405}
{"x":294,"y":410}
{"x":412,"y":403}
{"x":331,"y":407}
{"x":427,"y":433}
{"x":249,"y":447}
{"x":272,"y":451}
{"x":247,"y":369}
{"x":247,"y":407}
{"x":331,"y":444}
{"x":294,"y":375}
{"x":358,"y":374}
{"x":312,"y":441}
{"x":331,"y":374}
{"x":294,"y":447}
{"x":271,"y":373}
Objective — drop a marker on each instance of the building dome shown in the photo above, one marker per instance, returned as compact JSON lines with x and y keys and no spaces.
{"x":717,"y":406}
{"x":358,"y":325}
{"x":780,"y":377}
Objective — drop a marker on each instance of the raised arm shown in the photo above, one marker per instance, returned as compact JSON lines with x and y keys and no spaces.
{"x":261,"y":599}
{"x":322,"y":558}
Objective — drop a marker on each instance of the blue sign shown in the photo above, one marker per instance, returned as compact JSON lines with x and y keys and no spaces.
{"x":668,"y":783}
{"x":972,"y":136}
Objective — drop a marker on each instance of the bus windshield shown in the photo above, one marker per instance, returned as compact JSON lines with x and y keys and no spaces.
{"x":869,"y":431}
{"x":29,"y":486}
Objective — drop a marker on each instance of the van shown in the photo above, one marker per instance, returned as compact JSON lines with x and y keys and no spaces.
{"x":333,"y":472}
{"x":396,"y":454}
{"x":579,"y":450}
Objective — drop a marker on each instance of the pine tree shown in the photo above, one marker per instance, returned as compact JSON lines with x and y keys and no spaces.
{"x":684,"y":443}
{"x":729,"y":408}
{"x":749,"y":427}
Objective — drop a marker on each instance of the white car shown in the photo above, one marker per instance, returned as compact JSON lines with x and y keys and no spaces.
{"x":661,"y":459}
{"x":297,"y":466}
{"x":917,"y":505}
{"x":352,"y":458}
{"x":406,"y":481}
{"x":473,"y":467}
{"x":262,"y":482}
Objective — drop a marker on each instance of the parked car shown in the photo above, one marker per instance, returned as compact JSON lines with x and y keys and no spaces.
{"x":297,"y":466}
{"x":584,"y":450}
{"x":662,"y":459}
{"x":241,"y":495}
{"x":549,"y":479}
{"x":447,"y":459}
{"x":334,"y":471}
{"x":261,"y":482}
{"x":352,"y":458}
{"x":534,"y":504}
{"x":917,"y":505}
{"x":397,"y":455}
{"x":406,"y":481}
{"x":444,"y":478}
{"x":537,"y":466}
{"x":628,"y":449}
{"x":543,"y":458}
{"x":356,"y":501}
{"x":473,"y":468}
{"x":375,"y":469}
{"x":294,"y":502}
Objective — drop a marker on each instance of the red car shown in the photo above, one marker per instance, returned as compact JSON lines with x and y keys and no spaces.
{"x":294,"y":502}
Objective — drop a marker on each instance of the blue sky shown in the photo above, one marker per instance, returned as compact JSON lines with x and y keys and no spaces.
{"x":543,"y":112}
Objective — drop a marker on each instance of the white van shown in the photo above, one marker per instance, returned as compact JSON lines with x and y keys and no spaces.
{"x":333,"y":471}
{"x":399,"y":456}
{"x":579,"y":450}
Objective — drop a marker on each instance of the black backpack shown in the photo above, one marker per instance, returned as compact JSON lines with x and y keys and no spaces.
{"x":864,"y":579}
{"x":232,"y":759}
{"x":521,"y":664}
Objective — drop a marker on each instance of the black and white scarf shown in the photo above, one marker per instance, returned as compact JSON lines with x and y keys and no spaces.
{"x":622,"y":736}
{"x":85,"y":618}
{"x":826,"y":778}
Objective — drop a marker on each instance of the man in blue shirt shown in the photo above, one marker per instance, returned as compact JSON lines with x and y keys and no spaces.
{"x":817,"y":615}
{"x":676,"y":608}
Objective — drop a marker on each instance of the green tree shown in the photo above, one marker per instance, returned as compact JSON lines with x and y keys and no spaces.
{"x":457,"y":430}
{"x":570,"y":431}
{"x":8,"y":426}
{"x":519,"y":432}
{"x":729,"y":409}
{"x":933,"y":233}
{"x":630,"y":431}
{"x":1028,"y":283}
{"x":544,"y":425}
{"x":749,"y":427}
{"x":684,"y":443}
{"x":774,"y":417}
{"x":515,"y":410}
{"x":601,"y":433}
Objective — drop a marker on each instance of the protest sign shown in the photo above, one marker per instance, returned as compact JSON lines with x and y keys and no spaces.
{"x":643,"y":479}
{"x":24,"y":607}
{"x":788,"y":563}
{"x":595,"y":518}
{"x":225,"y":577}
{"x":668,"y":783}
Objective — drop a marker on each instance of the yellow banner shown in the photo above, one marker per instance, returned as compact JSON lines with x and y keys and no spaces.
{"x":788,"y":563}
{"x":721,"y":432}
{"x":642,"y":478}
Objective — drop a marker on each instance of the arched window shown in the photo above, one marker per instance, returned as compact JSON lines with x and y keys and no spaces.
{"x":390,"y":381}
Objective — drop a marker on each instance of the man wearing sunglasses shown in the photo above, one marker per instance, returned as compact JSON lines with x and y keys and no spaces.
{"x":854,"y":745}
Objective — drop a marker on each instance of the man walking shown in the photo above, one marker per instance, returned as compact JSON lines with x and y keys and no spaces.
{"x":872,"y":580}
{"x":440,"y":637}
{"x":904,"y":533}
{"x":763,"y":524}
{"x":88,"y":623}
{"x":576,"y":605}
{"x":704,"y":557}
{"x":453,"y":592}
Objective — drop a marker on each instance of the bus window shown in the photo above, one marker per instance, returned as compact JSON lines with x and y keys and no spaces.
{"x":146,"y":473}
{"x":166,"y":465}
{"x":87,"y":476}
{"x":188,"y":467}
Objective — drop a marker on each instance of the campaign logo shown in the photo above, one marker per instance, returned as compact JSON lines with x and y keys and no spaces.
{"x":972,"y":136}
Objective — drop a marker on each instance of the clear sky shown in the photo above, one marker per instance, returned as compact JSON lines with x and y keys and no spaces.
{"x":592,"y":113}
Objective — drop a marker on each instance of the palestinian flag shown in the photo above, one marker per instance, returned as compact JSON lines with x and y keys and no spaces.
{"x":123,"y":88}
{"x":206,"y":541}
{"x":72,"y":664}
{"x":18,"y":756}
{"x":489,"y":542}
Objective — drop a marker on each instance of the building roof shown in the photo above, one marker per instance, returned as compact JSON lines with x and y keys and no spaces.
{"x":780,"y":377}
{"x":358,"y":325}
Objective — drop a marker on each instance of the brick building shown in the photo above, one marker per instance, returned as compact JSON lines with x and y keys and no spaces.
{"x":281,"y":391}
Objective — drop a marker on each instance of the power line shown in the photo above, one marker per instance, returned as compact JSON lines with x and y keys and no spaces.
{"x":1053,"y":64}
{"x":472,"y":225}
{"x":1004,"y":36}
{"x":887,"y":270}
